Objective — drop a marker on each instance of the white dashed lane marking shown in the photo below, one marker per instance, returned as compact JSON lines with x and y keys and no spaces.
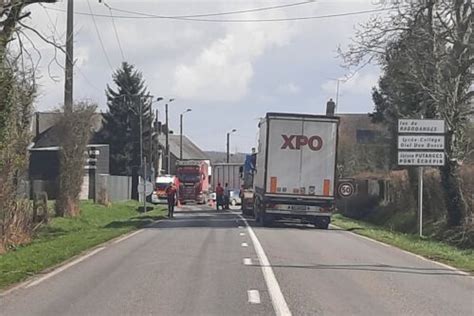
{"x":254,"y":296}
{"x":244,"y":244}
{"x":247,"y":261}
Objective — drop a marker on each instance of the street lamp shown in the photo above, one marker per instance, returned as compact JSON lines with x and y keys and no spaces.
{"x":167,"y":145}
{"x":228,"y":144}
{"x":181,"y":133}
{"x":151,"y":127}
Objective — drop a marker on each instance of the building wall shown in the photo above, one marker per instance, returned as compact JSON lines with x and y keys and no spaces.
{"x":363,"y":146}
{"x":118,"y":188}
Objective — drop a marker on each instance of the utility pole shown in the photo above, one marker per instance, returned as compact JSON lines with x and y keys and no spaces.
{"x":167,"y":145}
{"x":181,"y":133}
{"x":69,"y":69}
{"x":151,"y":133}
{"x":181,"y":136}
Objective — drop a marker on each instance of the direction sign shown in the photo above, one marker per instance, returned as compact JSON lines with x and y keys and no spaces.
{"x":148,"y":188}
{"x":345,"y":189}
{"x":421,"y":158}
{"x":434,"y":142}
{"x":421,"y":126}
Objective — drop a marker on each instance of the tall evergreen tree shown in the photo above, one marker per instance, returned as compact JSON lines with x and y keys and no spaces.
{"x":121,"y":129}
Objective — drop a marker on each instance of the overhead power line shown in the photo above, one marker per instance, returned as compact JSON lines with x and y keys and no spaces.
{"x":216,"y":13}
{"x":115,"y":30}
{"x":98,"y":35}
{"x":56,"y":33}
{"x":315,"y":17}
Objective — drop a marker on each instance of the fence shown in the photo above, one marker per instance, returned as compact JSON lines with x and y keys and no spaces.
{"x":118,"y":188}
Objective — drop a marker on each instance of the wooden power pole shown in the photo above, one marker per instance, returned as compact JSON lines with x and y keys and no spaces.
{"x":69,"y":69}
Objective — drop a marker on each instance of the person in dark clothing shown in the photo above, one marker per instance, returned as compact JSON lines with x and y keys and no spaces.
{"x":219,"y":196}
{"x":226,"y":196}
{"x":171,"y":193}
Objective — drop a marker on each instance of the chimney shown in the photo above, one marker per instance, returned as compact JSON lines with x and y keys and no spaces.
{"x":330,"y":108}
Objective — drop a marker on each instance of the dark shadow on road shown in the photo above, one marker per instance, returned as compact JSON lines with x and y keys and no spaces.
{"x":202,"y":212}
{"x":347,"y":229}
{"x":135,"y":222}
{"x":374,"y":268}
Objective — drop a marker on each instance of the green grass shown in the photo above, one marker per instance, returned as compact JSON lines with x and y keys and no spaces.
{"x":64,"y":238}
{"x":462,"y":259}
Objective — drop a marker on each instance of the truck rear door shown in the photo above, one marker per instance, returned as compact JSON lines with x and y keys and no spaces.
{"x":301,"y":157}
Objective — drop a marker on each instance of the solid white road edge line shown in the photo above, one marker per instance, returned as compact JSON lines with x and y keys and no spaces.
{"x":30,"y":282}
{"x":254,"y":296}
{"x":64,"y":267}
{"x":127,"y":236}
{"x":247,"y":261}
{"x":407,"y":252}
{"x":278,"y":300}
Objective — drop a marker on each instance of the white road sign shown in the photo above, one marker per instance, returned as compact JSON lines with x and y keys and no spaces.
{"x":421,"y":158}
{"x":346,"y":189}
{"x":148,"y":188}
{"x":421,"y":126}
{"x":435,"y":142}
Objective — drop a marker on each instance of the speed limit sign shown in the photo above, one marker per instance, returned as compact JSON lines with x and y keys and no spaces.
{"x":346,"y":189}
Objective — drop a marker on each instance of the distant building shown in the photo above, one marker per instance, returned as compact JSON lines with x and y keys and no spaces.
{"x":44,"y":156}
{"x":363,"y":145}
{"x":190,"y":150}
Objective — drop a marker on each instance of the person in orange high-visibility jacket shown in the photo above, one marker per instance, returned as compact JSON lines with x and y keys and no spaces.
{"x":171,"y":193}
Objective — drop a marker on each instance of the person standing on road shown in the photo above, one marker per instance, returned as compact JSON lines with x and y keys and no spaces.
{"x":226,"y":196}
{"x":219,"y":196}
{"x":171,"y":194}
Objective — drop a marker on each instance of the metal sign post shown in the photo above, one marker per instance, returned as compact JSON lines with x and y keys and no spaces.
{"x":144,"y":184}
{"x":345,"y":189}
{"x":421,"y":143}
{"x":420,"y":201}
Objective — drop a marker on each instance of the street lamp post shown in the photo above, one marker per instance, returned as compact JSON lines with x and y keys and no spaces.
{"x":228,"y":144}
{"x":151,"y":128}
{"x":167,"y":145}
{"x":181,"y":133}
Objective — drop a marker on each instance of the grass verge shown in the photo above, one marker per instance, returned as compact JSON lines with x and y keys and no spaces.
{"x":64,"y":238}
{"x":462,"y":259}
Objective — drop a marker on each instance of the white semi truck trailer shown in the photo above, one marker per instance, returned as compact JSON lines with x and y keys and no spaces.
{"x":296,"y":168}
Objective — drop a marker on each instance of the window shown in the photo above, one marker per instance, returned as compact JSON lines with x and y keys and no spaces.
{"x":367,"y":136}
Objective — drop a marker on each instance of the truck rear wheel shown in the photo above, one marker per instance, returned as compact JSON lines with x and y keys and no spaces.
{"x":322,"y":222}
{"x":264,"y":220}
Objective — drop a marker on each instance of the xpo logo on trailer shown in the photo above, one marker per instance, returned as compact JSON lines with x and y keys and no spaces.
{"x":297,"y":142}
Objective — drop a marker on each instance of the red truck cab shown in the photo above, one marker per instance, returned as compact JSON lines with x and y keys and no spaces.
{"x":194,"y":181}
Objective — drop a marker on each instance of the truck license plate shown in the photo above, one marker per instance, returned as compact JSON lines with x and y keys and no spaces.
{"x":298,"y":207}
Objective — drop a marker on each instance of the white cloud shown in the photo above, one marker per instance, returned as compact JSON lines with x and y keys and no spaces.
{"x":223,"y":69}
{"x":289,"y":88}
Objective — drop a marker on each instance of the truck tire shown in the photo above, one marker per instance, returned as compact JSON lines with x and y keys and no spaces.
{"x":322,"y":222}
{"x":256,"y":210}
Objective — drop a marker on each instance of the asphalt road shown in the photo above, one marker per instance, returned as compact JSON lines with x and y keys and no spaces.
{"x":208,"y":263}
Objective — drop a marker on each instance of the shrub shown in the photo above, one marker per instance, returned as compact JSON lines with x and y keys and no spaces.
{"x":75,"y":129}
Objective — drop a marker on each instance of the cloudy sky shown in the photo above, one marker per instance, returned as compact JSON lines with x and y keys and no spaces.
{"x":229,"y":73}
